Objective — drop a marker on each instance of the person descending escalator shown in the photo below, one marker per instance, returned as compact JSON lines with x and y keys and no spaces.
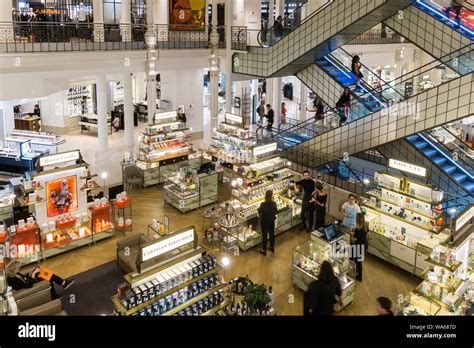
{"x":343,"y":106}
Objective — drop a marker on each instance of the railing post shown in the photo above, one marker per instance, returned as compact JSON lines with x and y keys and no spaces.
{"x":98,"y":21}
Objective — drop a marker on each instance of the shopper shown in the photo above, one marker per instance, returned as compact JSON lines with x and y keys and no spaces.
{"x":455,"y":8}
{"x":283,"y":113}
{"x":116,"y":123}
{"x":267,"y":213}
{"x":350,"y":209}
{"x":319,"y":200}
{"x":278,"y":28}
{"x":319,"y":107}
{"x":270,"y":118}
{"x":343,"y":106}
{"x":384,"y":306}
{"x":19,"y":281}
{"x":307,"y":208}
{"x":182,"y":115}
{"x":360,"y":244}
{"x":320,"y":298}
{"x":261,"y":111}
{"x":356,"y":69}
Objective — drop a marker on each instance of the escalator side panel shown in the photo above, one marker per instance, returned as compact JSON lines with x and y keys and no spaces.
{"x":321,"y":83}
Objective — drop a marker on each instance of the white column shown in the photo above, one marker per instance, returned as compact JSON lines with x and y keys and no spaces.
{"x":125,"y":21}
{"x":277,"y":98}
{"x":152,"y":58}
{"x":6,"y":22}
{"x":304,"y":99}
{"x":280,"y":8}
{"x":228,"y":56}
{"x":214,"y":70}
{"x":128,"y":110}
{"x":151,"y":97}
{"x":98,"y":14}
{"x":101,"y":89}
{"x":271,"y":19}
{"x":270,"y":92}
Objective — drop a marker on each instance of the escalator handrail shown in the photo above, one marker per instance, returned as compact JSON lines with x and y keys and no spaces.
{"x":319,"y":9}
{"x":455,"y":136}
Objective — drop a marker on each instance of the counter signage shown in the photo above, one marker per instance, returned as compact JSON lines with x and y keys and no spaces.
{"x":59,"y":158}
{"x":260,"y":150}
{"x":167,"y":244}
{"x":464,"y":219}
{"x":234,"y":118}
{"x":407,"y":167}
{"x":165,"y":115}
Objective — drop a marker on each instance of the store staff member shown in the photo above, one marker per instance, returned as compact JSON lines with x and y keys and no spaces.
{"x":307,"y":209}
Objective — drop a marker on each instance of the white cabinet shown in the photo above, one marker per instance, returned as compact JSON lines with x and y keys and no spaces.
{"x":403,"y":252}
{"x":420,"y":261}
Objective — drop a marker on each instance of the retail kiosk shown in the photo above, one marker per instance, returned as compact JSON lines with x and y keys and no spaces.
{"x":176,"y":276}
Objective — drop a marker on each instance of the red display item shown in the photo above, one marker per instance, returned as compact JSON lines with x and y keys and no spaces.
{"x":65,"y":223}
{"x":100,"y":207}
{"x":3,"y":236}
{"x":27,"y":228}
{"x":123,"y":203}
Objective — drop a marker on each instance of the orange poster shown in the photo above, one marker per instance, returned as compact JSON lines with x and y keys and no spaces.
{"x":187,"y":14}
{"x":61,"y":196}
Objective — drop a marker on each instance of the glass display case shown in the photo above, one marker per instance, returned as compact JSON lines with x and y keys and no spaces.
{"x":17,"y":155}
{"x":181,"y":190}
{"x":307,"y":260}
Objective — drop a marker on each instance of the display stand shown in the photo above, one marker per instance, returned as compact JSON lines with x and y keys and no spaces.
{"x":100,"y":217}
{"x":90,"y":121}
{"x":40,"y":141}
{"x":27,"y":122}
{"x":308,"y":257}
{"x":183,"y":280}
{"x":17,"y":156}
{"x":403,"y":216}
{"x":122,"y":213}
{"x":163,"y":148}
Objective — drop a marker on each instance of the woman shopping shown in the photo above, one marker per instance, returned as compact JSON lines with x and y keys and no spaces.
{"x":267,"y":213}
{"x":360,"y":244}
{"x":320,"y":199}
{"x":350,"y":209}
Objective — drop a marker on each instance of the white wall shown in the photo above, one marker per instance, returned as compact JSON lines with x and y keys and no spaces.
{"x":53,"y":112}
{"x":7,"y":123}
{"x":185,"y":87}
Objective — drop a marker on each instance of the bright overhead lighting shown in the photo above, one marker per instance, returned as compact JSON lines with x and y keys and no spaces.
{"x":104,"y":175}
{"x":225,"y":261}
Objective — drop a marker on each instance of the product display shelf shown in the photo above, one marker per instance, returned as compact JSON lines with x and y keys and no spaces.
{"x":452,"y":268}
{"x":308,"y":257}
{"x":66,"y":243}
{"x":450,"y":307}
{"x":119,"y":306}
{"x":122,"y":215}
{"x":417,"y":306}
{"x":450,"y":288}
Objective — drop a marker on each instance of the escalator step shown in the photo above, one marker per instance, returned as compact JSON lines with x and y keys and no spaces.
{"x":469,"y":184}
{"x":449,"y":169}
{"x":439,"y":160}
{"x":430,"y":152}
{"x":420,"y":144}
{"x":413,"y":137}
{"x":459,"y":177}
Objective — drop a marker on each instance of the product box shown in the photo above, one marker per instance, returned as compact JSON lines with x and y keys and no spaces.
{"x":189,"y":272}
{"x":172,"y":277}
{"x":144,"y":291}
{"x":149,"y":310}
{"x":166,"y":281}
{"x":138,"y":295}
{"x":156,"y":287}
{"x":151,"y":289}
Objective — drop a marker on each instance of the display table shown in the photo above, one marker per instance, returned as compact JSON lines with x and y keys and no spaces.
{"x":90,"y":122}
{"x":308,"y":257}
{"x":27,"y":122}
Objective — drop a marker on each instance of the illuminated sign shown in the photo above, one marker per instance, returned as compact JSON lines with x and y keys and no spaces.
{"x":406,"y":167}
{"x":59,"y":158}
{"x":165,"y":115}
{"x":234,"y":118}
{"x":167,"y":244}
{"x":260,"y":150}
{"x":464,"y":219}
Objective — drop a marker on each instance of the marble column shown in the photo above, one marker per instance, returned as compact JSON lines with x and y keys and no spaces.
{"x":6,"y":22}
{"x":304,"y":100}
{"x":101,"y":89}
{"x":125,"y":21}
{"x":214,"y":69}
{"x":128,"y":110}
{"x":228,"y":57}
{"x":98,"y":14}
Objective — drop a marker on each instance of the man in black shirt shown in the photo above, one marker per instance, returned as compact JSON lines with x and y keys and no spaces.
{"x":307,"y":209}
{"x":270,"y":117}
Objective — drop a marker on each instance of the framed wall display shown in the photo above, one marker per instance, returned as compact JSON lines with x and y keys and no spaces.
{"x":61,"y":196}
{"x":187,"y":14}
{"x":237,"y":102}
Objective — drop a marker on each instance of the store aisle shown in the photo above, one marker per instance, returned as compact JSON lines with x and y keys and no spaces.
{"x":380,"y":278}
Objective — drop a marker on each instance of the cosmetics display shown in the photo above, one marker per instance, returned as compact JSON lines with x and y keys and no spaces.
{"x":90,"y":121}
{"x":416,"y":305}
{"x":122,"y":212}
{"x":76,"y":95}
{"x":187,"y":282}
{"x":239,"y":305}
{"x":17,"y":155}
{"x":117,"y":93}
{"x":25,"y":241}
{"x":307,"y":260}
{"x":163,"y":148}
{"x":27,"y":122}
{"x":40,"y":141}
{"x":188,"y":190}
{"x":401,"y":213}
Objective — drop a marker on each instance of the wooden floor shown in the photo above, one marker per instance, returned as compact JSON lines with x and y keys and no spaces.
{"x":380,"y":278}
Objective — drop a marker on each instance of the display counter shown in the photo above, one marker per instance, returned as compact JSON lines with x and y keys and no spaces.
{"x":27,"y":122}
{"x":90,"y":121}
{"x":308,"y":257}
{"x":184,"y":281}
{"x":40,"y":141}
{"x":17,"y":156}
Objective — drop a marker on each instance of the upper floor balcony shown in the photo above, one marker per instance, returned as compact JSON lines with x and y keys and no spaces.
{"x":30,"y":37}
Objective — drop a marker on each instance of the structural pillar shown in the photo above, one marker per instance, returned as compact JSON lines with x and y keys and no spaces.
{"x":128,"y":110}
{"x":277,"y":98}
{"x":228,"y":47}
{"x":214,"y":69}
{"x":101,"y":88}
{"x":98,"y":11}
{"x":304,"y":100}
{"x":6,"y":30}
{"x":126,"y":21}
{"x":152,"y":59}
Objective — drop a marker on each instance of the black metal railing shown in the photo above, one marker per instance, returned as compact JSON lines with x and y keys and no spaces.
{"x":68,"y":36}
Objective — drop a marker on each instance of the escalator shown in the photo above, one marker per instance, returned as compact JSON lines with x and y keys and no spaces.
{"x":395,"y":94}
{"x":430,"y":25}
{"x":449,"y":158}
{"x":329,"y":26}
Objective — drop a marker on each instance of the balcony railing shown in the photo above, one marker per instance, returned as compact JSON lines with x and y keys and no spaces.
{"x":60,"y":36}
{"x":377,"y":36}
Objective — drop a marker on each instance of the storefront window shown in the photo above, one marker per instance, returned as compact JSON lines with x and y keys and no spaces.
{"x":113,"y":11}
